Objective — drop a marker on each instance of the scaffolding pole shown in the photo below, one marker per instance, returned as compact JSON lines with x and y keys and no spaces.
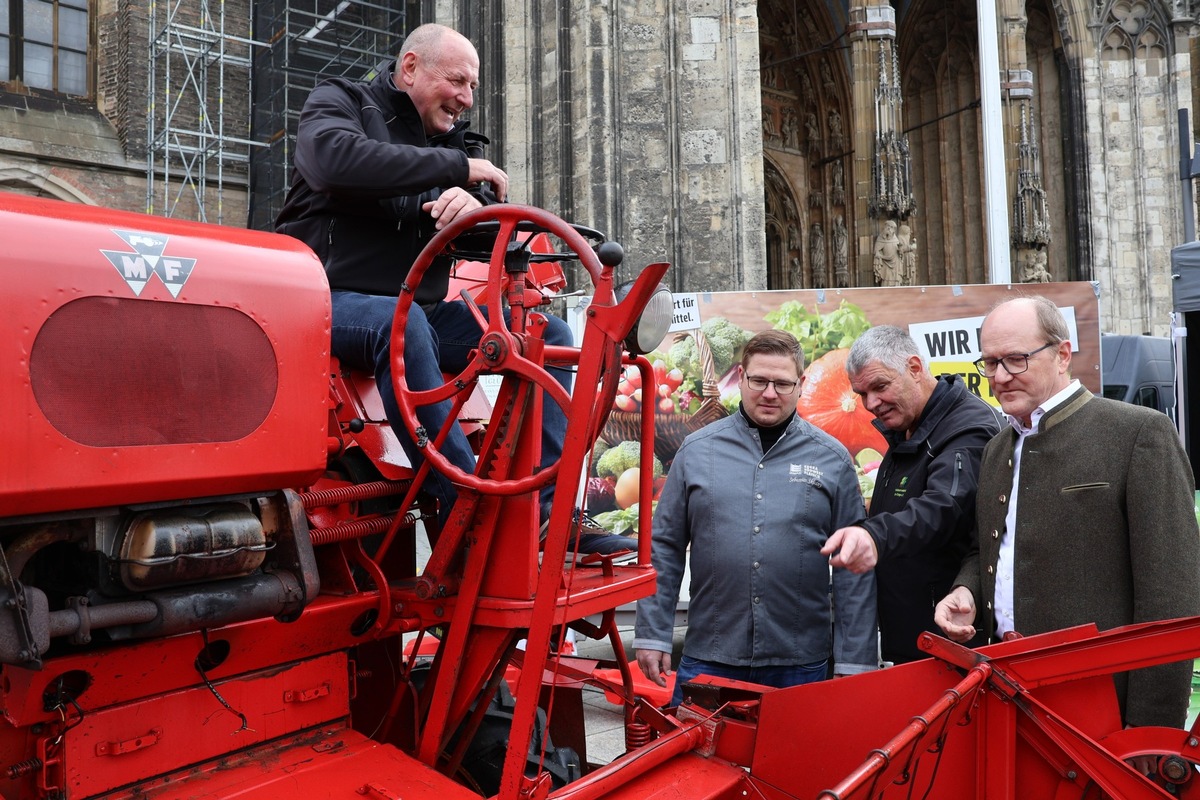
{"x":227,"y":81}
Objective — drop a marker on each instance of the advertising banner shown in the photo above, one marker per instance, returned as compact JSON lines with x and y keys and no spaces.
{"x":696,"y":375}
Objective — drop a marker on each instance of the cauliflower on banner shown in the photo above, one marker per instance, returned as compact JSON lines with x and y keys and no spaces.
{"x":725,"y":339}
{"x":621,"y":457}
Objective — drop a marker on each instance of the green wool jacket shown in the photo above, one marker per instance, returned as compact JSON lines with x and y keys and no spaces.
{"x":1106,"y":533}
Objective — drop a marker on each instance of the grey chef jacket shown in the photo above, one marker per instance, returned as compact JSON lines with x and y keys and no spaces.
{"x":760,"y":588}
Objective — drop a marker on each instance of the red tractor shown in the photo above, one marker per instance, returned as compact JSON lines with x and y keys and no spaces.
{"x":210,"y":588}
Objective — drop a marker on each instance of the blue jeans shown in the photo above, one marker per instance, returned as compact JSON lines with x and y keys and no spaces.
{"x":778,"y":677}
{"x":435,"y":341}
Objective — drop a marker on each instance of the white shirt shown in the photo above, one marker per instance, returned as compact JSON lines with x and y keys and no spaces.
{"x":1004,"y":566}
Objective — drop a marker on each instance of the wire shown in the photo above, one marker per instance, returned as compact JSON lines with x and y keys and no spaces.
{"x":204,"y":676}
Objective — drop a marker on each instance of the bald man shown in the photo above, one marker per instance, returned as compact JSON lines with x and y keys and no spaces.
{"x":380,"y":167}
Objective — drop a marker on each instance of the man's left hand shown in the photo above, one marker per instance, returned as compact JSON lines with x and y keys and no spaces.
{"x":453,"y":202}
{"x":852,"y":548}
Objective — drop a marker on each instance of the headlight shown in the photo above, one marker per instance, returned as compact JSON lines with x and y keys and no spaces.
{"x":653,"y":323}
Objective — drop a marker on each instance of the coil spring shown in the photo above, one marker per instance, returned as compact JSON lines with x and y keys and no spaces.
{"x":349,"y":494}
{"x":23,"y":768}
{"x":637,"y":734}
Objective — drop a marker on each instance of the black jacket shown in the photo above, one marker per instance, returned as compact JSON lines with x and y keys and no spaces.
{"x":363,"y":169}
{"x":922,"y":514}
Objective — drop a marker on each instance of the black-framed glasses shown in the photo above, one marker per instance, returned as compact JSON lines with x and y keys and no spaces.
{"x":760,"y":384}
{"x":1014,"y":363}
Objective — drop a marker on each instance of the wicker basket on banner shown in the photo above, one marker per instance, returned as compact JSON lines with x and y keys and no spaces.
{"x":671,"y":429}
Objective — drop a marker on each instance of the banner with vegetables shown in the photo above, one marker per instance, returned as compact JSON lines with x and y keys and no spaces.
{"x":696,"y":377}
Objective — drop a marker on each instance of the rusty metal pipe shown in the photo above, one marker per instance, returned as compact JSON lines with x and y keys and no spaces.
{"x":69,"y":621}
{"x":191,"y":608}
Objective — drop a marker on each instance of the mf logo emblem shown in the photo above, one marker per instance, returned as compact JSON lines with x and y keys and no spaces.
{"x":147,"y":259}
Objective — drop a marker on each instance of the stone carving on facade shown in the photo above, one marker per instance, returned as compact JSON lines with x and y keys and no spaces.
{"x":1033,"y":268}
{"x":797,"y":272}
{"x":814,"y":134}
{"x":770,"y":72}
{"x":837,"y":191}
{"x":1031,"y":217}
{"x":816,"y":255}
{"x":908,"y":255}
{"x":891,"y":165}
{"x":807,"y":96}
{"x":789,"y":29}
{"x":794,"y":242}
{"x":1133,"y":29}
{"x":816,"y":198}
{"x":789,"y":206}
{"x":888,"y":263}
{"x":837,"y":136}
{"x":827,"y":82}
{"x":791,"y":129}
{"x":770,"y":131}
{"x":841,"y":254}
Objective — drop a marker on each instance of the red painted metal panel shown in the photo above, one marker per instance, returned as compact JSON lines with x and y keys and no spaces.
{"x":123,"y":744}
{"x":127,"y":672}
{"x":333,"y":763}
{"x":811,"y":737}
{"x":686,"y":776}
{"x":119,"y":264}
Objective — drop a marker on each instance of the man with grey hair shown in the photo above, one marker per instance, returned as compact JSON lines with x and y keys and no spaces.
{"x":922,"y":512}
{"x":1085,"y":513}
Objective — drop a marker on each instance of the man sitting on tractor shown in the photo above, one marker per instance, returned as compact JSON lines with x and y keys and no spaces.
{"x":380,"y":167}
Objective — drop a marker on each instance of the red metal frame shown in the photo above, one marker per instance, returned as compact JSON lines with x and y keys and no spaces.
{"x":324,"y":703}
{"x":156,"y":717}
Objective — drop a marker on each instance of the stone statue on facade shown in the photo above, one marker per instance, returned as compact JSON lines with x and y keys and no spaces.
{"x":770,"y":73}
{"x":789,"y":207}
{"x":770,"y":129}
{"x":841,"y":255}
{"x":791,"y":129}
{"x":837,"y":192}
{"x":888,"y":263}
{"x":813,"y":132}
{"x":908,"y":256}
{"x":827,"y":80}
{"x":816,"y":255}
{"x":806,"y":87}
{"x":1035,"y":268}
{"x":837,"y":137}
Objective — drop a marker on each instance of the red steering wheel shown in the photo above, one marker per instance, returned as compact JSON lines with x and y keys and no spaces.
{"x":502,"y":348}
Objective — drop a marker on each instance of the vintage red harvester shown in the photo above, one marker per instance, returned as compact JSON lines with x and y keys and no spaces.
{"x":210,"y":588}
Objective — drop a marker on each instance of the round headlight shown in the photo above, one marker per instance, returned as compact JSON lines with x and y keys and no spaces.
{"x":651,"y":327}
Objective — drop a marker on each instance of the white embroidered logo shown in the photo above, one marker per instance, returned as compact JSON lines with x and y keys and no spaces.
{"x":804,"y":473}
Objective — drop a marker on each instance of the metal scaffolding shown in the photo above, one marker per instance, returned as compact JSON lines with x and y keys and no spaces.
{"x":228,"y":79}
{"x":196,"y":131}
{"x":308,"y":42}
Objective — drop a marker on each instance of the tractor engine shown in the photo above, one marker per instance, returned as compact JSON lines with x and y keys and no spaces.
{"x":162,"y":389}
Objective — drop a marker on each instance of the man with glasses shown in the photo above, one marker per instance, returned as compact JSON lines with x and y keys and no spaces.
{"x":1085,"y":512}
{"x":754,"y":496}
{"x":922,"y":516}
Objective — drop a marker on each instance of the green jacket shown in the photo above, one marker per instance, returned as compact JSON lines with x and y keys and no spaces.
{"x":1106,"y":533}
